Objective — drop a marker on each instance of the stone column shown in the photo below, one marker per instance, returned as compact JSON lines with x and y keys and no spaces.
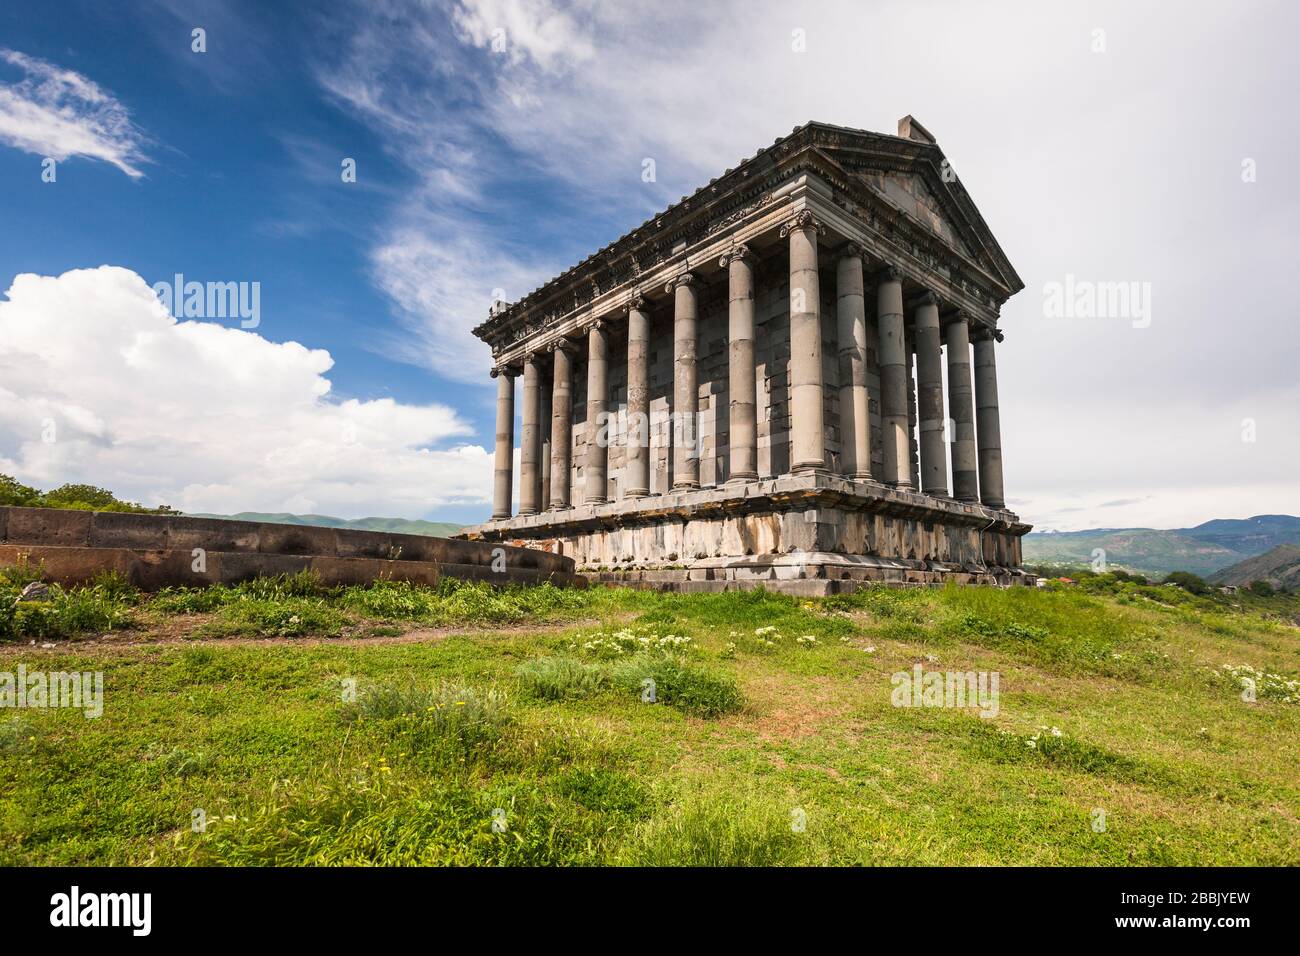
{"x":544,"y":426}
{"x":686,"y":387}
{"x":895,"y":441}
{"x":807,"y":425}
{"x":913,"y":450}
{"x":851,"y":318}
{"x":742,"y":427}
{"x":530,"y":450}
{"x":929,"y":398}
{"x":988,"y":425}
{"x":561,"y":426}
{"x":502,"y":474}
{"x":637,"y":471}
{"x":597,"y":477}
{"x":961,"y":409}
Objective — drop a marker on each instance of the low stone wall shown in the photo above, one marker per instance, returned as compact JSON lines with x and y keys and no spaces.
{"x":801,"y":528}
{"x":156,"y":551}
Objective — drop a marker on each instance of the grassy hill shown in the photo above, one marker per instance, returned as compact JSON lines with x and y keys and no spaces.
{"x":1202,"y":550}
{"x":437,"y":529}
{"x":1280,"y":567}
{"x":394,"y":725}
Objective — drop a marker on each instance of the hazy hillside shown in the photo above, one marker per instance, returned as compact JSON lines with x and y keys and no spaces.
{"x":437,"y":529}
{"x":1204,"y":549}
{"x":1280,"y":567}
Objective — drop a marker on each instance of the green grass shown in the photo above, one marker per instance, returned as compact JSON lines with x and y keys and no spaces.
{"x":529,"y":739}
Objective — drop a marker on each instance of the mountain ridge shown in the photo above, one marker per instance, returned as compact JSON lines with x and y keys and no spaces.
{"x":436,"y":529}
{"x":1203,"y":549}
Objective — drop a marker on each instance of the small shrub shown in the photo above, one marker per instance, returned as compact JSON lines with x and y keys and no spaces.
{"x":561,"y":678}
{"x":688,"y":687}
{"x":446,"y":719}
{"x":604,"y":791}
{"x":278,"y":617}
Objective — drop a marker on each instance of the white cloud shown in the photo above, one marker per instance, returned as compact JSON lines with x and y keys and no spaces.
{"x":205,"y":417}
{"x":1083,"y":163}
{"x":59,"y":113}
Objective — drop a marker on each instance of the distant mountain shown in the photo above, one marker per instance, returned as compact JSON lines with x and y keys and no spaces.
{"x":1278,"y":566}
{"x":1204,"y":549}
{"x":436,"y":529}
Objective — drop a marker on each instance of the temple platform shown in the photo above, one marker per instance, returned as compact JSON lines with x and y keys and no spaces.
{"x":808,"y":534}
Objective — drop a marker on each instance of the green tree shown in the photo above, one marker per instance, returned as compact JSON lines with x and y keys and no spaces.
{"x":1262,"y":588}
{"x":1192,"y":583}
{"x":13,"y":492}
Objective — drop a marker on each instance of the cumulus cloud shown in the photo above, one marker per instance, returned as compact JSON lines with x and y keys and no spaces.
{"x":59,"y":113}
{"x":1105,"y":174}
{"x":99,"y":383}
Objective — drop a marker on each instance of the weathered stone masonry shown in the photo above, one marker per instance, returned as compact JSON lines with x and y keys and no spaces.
{"x":771,"y":381}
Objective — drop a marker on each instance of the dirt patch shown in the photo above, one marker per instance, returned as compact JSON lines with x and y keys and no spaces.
{"x":780,"y":712}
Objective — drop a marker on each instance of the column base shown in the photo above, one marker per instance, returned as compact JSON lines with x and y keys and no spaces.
{"x":741,"y":478}
{"x":686,"y":486}
{"x":596,"y":501}
{"x":637,"y":493}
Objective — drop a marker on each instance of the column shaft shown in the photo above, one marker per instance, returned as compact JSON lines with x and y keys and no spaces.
{"x":988,"y":424}
{"x":502,"y":477}
{"x":851,"y":318}
{"x":686,"y":398}
{"x":530,"y":451}
{"x":929,"y":398}
{"x":637,"y":469}
{"x":913,"y":451}
{"x":544,"y":425}
{"x":807,"y":424}
{"x":742,"y":426}
{"x":895,"y":439}
{"x":961,"y":409}
{"x":597,"y":471}
{"x":561,"y":427}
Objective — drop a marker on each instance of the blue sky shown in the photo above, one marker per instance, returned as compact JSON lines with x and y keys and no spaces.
{"x":498,"y":142}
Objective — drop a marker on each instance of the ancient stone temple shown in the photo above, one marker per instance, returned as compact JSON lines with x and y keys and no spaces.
{"x":787,"y":378}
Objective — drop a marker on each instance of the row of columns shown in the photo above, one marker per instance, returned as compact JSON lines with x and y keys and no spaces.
{"x":972,"y":406}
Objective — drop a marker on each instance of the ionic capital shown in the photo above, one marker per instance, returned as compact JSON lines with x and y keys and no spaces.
{"x":802,"y":221}
{"x":683,"y":280}
{"x":927,"y":298}
{"x":739,"y":253}
{"x":595,"y":325}
{"x":636,"y":304}
{"x":561,"y":345}
{"x":889,"y":274}
{"x":850,"y":250}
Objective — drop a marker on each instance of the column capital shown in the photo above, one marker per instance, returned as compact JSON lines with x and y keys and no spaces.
{"x":508,"y":370}
{"x":561,"y":345}
{"x":802,"y":220}
{"x":595,"y":325}
{"x":927,"y":298}
{"x":983,"y":333}
{"x":958,"y":317}
{"x":683,"y":280}
{"x":889,"y":274}
{"x":739,"y":252}
{"x":850,"y":250}
{"x":636,"y":304}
